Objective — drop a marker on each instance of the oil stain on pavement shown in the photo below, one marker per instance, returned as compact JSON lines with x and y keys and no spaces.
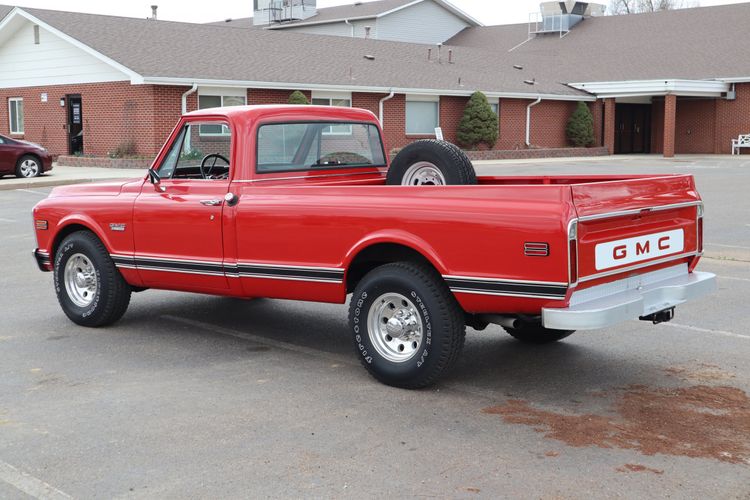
{"x":699,"y":421}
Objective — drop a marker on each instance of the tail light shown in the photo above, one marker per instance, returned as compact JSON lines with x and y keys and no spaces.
{"x":573,"y":252}
{"x":700,"y":227}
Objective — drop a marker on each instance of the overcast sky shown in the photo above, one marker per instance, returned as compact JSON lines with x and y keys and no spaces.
{"x":486,"y":11}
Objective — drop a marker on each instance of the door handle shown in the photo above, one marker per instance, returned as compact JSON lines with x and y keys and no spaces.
{"x":211,"y":203}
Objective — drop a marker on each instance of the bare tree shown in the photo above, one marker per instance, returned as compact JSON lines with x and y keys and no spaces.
{"x":635,"y":6}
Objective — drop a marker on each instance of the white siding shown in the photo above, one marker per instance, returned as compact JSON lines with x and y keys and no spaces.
{"x":335,"y":29}
{"x":53,"y":62}
{"x":425,"y":22}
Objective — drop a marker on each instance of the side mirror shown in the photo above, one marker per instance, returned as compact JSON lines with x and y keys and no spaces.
{"x":155,"y":179}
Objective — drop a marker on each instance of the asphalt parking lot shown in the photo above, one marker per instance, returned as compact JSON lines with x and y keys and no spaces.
{"x":194,"y":396}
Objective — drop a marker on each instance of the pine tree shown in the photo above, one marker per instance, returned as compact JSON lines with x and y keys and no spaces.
{"x":478,"y":124}
{"x":297,"y":97}
{"x":580,"y":128}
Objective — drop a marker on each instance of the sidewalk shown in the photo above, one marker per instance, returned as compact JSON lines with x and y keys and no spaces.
{"x":60,"y":176}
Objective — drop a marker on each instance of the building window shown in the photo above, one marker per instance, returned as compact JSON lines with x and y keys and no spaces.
{"x":422,"y":115}
{"x":15,"y":112}
{"x":332,"y":99}
{"x":495,"y":108}
{"x":218,"y":101}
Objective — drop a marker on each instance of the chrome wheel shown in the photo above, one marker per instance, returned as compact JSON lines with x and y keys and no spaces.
{"x":423,"y":173}
{"x":395,"y":327}
{"x":29,"y":168}
{"x":80,"y":280}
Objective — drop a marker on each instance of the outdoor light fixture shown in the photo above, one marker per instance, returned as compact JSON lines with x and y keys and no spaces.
{"x":62,"y":102}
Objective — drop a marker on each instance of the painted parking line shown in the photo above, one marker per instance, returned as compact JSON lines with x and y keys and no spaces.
{"x":487,"y":394}
{"x":733,"y":278}
{"x":41,"y":193}
{"x":29,"y":484}
{"x":707,"y":330}
{"x":726,"y":246}
{"x":329,"y":356}
{"x":3,"y":219}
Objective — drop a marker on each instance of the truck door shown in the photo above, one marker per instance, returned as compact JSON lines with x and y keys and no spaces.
{"x":178,"y":222}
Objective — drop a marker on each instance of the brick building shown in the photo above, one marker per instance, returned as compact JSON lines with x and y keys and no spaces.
{"x":102,"y":85}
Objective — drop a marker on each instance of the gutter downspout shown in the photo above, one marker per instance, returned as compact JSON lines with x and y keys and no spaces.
{"x":382,"y":102}
{"x":528,"y":120}
{"x":346,"y":21}
{"x":185,"y":95}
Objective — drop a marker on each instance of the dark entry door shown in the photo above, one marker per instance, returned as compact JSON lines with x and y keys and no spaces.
{"x":75,"y":124}
{"x":632,"y":128}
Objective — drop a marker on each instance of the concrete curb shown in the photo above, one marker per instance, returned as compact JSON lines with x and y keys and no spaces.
{"x":40,"y":182}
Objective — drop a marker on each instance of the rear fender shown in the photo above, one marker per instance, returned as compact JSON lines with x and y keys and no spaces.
{"x":397,"y":237}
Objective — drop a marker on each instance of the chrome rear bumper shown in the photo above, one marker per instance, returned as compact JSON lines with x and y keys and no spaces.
{"x":606,"y":305}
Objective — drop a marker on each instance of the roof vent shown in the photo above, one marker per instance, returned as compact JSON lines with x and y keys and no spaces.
{"x":369,"y":57}
{"x":530,"y":82}
{"x":154,"y":8}
{"x":517,"y":66}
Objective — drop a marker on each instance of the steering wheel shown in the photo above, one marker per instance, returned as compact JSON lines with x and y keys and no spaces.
{"x":206,"y":170}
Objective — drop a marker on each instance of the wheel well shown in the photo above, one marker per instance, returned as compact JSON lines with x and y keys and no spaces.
{"x":64,"y":232}
{"x":377,"y":255}
{"x":37,"y":158}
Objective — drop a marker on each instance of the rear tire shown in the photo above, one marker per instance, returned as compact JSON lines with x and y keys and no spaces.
{"x":407,"y":327}
{"x":431,"y":163}
{"x":90,"y":289}
{"x":530,"y":333}
{"x":28,"y":166}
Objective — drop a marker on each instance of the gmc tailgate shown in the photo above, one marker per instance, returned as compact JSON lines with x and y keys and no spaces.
{"x":633,"y":250}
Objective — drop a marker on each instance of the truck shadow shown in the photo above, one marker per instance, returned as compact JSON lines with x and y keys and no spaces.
{"x":491,"y":361}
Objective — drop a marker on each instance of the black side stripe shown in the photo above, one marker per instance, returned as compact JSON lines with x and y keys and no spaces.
{"x":507,"y":288}
{"x":297,"y":273}
{"x":231,"y":270}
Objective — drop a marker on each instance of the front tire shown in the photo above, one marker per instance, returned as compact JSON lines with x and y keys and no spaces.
{"x":90,"y":289}
{"x":406,"y":325}
{"x":28,"y":166}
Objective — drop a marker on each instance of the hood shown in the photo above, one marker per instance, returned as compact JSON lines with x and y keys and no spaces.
{"x":32,"y":144}
{"x":110,"y":188}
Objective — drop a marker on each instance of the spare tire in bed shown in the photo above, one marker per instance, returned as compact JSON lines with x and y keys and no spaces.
{"x":431,"y":163}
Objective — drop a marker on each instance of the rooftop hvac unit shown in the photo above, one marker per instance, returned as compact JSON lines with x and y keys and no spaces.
{"x":278,"y":11}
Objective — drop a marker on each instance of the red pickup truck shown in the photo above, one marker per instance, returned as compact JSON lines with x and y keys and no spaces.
{"x":299,"y":202}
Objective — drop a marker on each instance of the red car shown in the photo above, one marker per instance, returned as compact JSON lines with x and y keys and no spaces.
{"x":301,"y":202}
{"x":24,"y":159}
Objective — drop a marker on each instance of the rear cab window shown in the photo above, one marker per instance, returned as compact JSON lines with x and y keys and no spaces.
{"x":303,"y":146}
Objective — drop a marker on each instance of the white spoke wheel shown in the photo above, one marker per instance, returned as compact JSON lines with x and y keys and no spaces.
{"x":406,"y":325}
{"x":81,"y":283}
{"x":395,"y":327}
{"x":423,"y":173}
{"x":28,"y":166}
{"x":90,"y":289}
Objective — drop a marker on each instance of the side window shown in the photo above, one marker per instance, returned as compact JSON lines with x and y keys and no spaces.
{"x":196,"y":156}
{"x":302,"y":146}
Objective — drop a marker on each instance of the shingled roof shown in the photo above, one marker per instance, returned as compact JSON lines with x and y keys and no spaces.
{"x":696,"y":43}
{"x":170,"y":51}
{"x":355,"y":10}
{"x":700,"y":43}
